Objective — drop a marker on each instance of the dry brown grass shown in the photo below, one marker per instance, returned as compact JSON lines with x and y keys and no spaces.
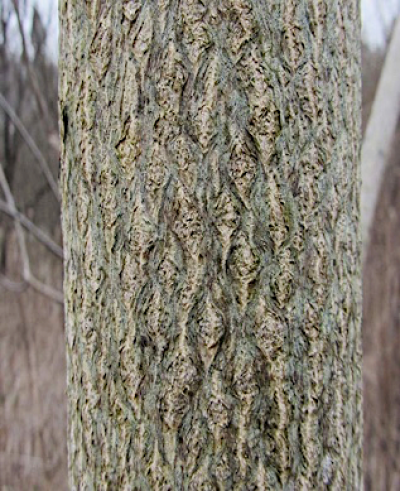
{"x":32,"y":383}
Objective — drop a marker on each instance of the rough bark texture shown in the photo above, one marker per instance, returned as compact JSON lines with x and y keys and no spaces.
{"x":210,"y":180}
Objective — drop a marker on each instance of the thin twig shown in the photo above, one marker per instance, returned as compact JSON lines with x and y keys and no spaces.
{"x":20,"y":234}
{"x":14,"y":286}
{"x":32,"y":228}
{"x":41,"y":102}
{"x":44,"y":166}
{"x":27,"y":276}
{"x":46,"y":290}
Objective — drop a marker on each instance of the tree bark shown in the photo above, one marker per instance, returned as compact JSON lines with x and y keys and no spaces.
{"x":210,"y":185}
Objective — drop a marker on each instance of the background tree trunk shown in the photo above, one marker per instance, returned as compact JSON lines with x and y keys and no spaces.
{"x":379,"y":135}
{"x":210,"y":181}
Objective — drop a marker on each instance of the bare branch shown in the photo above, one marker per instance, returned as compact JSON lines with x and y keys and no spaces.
{"x":41,"y":102}
{"x":14,"y":286}
{"x":32,"y":228}
{"x":27,"y":276}
{"x":46,"y":290}
{"x":20,"y":234}
{"x":44,"y":166}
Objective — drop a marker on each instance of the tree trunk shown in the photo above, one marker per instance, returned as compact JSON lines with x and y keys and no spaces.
{"x":210,"y":181}
{"x":379,"y":135}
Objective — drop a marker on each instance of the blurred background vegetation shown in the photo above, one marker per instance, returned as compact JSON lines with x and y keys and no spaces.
{"x":33,"y":451}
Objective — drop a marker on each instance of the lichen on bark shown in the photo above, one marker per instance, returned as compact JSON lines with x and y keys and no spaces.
{"x":210,"y":182}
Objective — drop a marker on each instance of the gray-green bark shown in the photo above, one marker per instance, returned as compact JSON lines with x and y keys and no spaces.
{"x":210,"y":182}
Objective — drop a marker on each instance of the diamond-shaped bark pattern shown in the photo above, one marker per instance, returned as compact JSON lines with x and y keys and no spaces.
{"x":187,"y":223}
{"x":219,"y":410}
{"x":227,"y":218}
{"x":203,"y":109}
{"x":156,"y":178}
{"x":242,"y":165}
{"x":217,"y":140}
{"x":180,"y":383}
{"x":211,"y":328}
{"x":183,"y":153}
{"x":170,"y":266}
{"x":270,"y":332}
{"x":243,"y":265}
